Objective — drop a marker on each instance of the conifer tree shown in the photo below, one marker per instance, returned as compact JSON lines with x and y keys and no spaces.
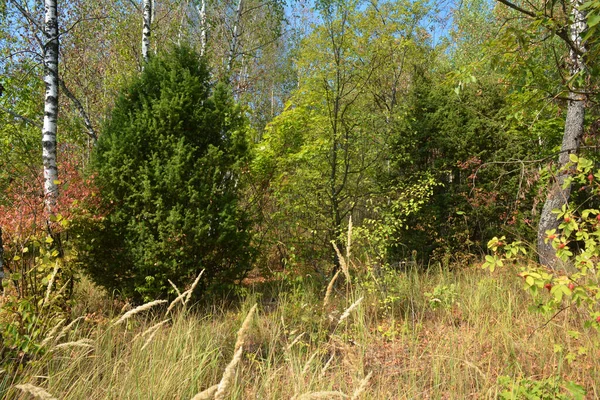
{"x":168,"y":165}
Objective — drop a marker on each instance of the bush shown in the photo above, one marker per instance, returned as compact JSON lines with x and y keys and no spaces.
{"x":168,"y":164}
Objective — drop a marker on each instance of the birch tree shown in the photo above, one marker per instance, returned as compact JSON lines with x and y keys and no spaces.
{"x":201,"y":9}
{"x":51,"y":47}
{"x":147,"y":21}
{"x":234,"y":37}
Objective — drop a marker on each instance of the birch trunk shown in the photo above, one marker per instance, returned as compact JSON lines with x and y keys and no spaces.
{"x":146,"y":29}
{"x":51,"y":46}
{"x":202,"y":14}
{"x":574,"y":124}
{"x":234,"y":39}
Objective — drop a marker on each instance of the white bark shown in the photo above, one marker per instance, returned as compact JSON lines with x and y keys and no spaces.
{"x":147,"y":16}
{"x":51,"y":46}
{"x":574,"y":124}
{"x":153,"y":13}
{"x":234,"y":39}
{"x":202,"y":15}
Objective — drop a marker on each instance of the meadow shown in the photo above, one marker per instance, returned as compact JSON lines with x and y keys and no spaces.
{"x":449,"y":333}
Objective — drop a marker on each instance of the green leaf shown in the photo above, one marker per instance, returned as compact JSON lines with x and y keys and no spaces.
{"x":529,"y":280}
{"x":558,"y":348}
{"x":593,"y":20}
{"x":576,"y":391}
{"x":574,"y":334}
{"x":558,"y":294}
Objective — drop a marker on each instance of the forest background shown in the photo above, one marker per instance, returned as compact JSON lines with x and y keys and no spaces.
{"x":307,"y":157}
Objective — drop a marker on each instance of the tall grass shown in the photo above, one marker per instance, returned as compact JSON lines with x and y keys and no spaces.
{"x":385,"y":335}
{"x":370,"y":343}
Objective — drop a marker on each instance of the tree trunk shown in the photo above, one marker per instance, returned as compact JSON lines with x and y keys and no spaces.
{"x":234,"y":39}
{"x":146,"y":29}
{"x":51,"y":46}
{"x":202,"y":15}
{"x":574,"y":124}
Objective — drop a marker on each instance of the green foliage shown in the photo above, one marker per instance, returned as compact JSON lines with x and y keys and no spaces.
{"x":467,"y":138}
{"x":168,"y":164}
{"x":577,"y":245}
{"x":322,"y":155}
{"x":19,"y":141}
{"x":37,"y":295}
{"x":545,"y":389}
{"x":592,"y":9}
{"x":393,"y":213}
{"x":442,"y":296}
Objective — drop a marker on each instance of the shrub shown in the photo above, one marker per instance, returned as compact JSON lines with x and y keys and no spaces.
{"x":168,"y":164}
{"x":577,"y":245}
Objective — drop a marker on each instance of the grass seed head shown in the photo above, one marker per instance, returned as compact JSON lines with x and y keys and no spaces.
{"x":330,"y":289}
{"x":206,"y":394}
{"x":52,"y":332}
{"x":296,"y":340}
{"x":138,"y":310}
{"x":346,"y":313}
{"x":50,"y":283}
{"x":349,"y":310}
{"x":323,"y":395}
{"x":35,"y":391}
{"x":174,"y":287}
{"x":228,"y":375}
{"x":191,"y":289}
{"x":67,"y":328}
{"x":362,"y":387}
{"x":326,"y":366}
{"x":241,"y":334}
{"x":343,"y":264}
{"x":87,"y":343}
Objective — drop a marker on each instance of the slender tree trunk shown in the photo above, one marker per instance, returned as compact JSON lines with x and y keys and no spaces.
{"x":202,"y":15}
{"x":181,"y":22}
{"x":234,"y":39}
{"x":86,"y":118}
{"x":574,"y":124}
{"x":51,"y":46}
{"x":146,"y":29}
{"x":153,"y":13}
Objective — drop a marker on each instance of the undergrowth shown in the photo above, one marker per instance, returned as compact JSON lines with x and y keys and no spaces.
{"x":386,"y":335}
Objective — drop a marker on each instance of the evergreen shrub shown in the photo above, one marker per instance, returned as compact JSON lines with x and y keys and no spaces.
{"x":168,"y":167}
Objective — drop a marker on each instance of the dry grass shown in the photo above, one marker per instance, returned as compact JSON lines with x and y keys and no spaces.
{"x":396,"y":345}
{"x":35,"y":391}
{"x":137,"y":310}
